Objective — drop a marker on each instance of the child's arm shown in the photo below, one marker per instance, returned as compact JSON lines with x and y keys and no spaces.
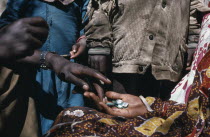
{"x":99,"y":40}
{"x":80,"y":47}
{"x":97,"y":30}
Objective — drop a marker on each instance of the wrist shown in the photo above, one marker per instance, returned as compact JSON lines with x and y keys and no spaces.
{"x":50,"y":59}
{"x":83,"y":37}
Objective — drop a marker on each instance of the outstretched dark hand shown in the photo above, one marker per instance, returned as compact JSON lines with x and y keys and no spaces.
{"x":73,"y":72}
{"x":135,"y":108}
{"x":22,"y":37}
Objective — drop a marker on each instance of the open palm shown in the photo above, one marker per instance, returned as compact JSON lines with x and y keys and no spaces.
{"x":135,"y":108}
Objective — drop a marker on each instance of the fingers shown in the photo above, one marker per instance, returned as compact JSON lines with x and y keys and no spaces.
{"x":28,"y":48}
{"x":80,"y":51}
{"x":188,"y":68}
{"x":71,"y":55}
{"x":74,"y":50}
{"x":36,"y":44}
{"x":89,"y":61}
{"x":69,"y":77}
{"x":97,"y":66}
{"x":95,"y":74}
{"x":87,"y":94}
{"x":95,"y":98}
{"x":38,"y":32}
{"x":34,"y":31}
{"x":77,"y":50}
{"x":109,"y":110}
{"x":103,"y":67}
{"x":92,"y":96}
{"x":99,"y":90}
{"x":99,"y":62}
{"x":36,"y":21}
{"x":77,"y":90}
{"x":114,"y":95}
{"x":94,"y":63}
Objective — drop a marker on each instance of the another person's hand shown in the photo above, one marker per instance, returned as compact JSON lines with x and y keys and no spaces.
{"x":135,"y":108}
{"x":22,"y":37}
{"x":78,"y":49}
{"x":190,"y":55}
{"x":102,"y":63}
{"x":73,"y":72}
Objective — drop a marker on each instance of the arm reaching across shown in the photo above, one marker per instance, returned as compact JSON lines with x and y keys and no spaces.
{"x":19,"y":41}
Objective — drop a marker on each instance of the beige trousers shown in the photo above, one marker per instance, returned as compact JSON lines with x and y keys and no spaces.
{"x":18,"y":117}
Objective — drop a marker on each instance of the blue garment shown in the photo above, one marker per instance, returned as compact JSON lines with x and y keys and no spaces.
{"x":65,"y":23}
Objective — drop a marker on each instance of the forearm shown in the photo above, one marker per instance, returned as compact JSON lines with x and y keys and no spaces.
{"x":35,"y":59}
{"x":27,"y":62}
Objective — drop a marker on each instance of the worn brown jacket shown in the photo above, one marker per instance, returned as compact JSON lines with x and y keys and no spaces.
{"x":143,"y":33}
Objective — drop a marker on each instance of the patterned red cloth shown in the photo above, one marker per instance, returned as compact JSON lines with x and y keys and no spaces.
{"x":181,"y":91}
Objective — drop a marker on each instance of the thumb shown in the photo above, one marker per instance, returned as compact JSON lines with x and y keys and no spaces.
{"x":74,"y":51}
{"x":114,"y":95}
{"x":80,"y":49}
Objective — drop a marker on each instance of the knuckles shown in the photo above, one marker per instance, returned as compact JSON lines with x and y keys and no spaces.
{"x":98,"y":58}
{"x":26,"y":37}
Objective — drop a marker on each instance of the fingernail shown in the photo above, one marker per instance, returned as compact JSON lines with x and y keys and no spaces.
{"x":105,"y":99}
{"x":85,"y":94}
{"x":85,"y":87}
{"x":101,"y":103}
{"x":74,"y":51}
{"x":109,"y":80}
{"x":101,"y":82}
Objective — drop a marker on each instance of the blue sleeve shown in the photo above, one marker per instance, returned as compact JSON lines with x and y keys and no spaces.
{"x":84,"y":18}
{"x":14,"y":11}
